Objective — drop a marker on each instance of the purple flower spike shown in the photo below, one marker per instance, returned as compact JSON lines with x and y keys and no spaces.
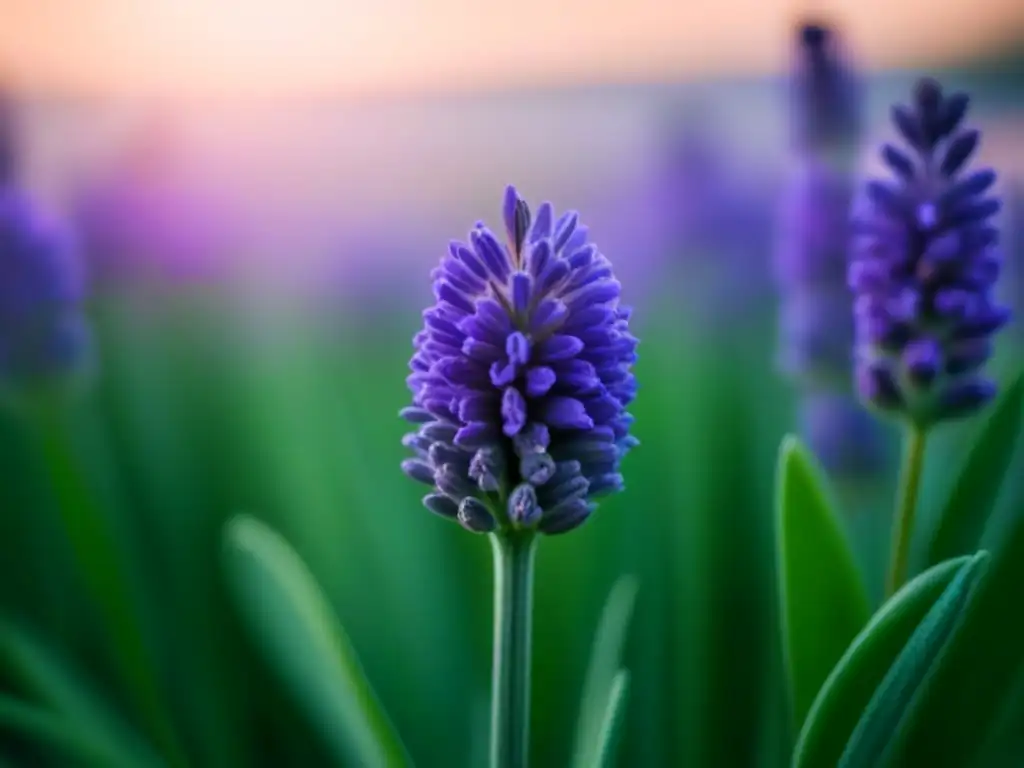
{"x":816,"y":328}
{"x":825,"y":100}
{"x":1015,"y":200}
{"x":924,"y":266}
{"x":521,"y":377}
{"x":44,"y":338}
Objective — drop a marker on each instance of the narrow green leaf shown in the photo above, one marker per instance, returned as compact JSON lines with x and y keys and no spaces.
{"x":603,"y":670}
{"x":969,"y":690}
{"x":611,"y":726}
{"x":876,"y":739}
{"x":976,"y":489}
{"x":49,"y":681}
{"x":103,"y":571}
{"x":848,"y":689}
{"x":79,"y":745}
{"x":823,"y":601}
{"x":289,"y":616}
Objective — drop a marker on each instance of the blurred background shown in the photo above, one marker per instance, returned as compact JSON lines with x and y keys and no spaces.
{"x":260,"y":190}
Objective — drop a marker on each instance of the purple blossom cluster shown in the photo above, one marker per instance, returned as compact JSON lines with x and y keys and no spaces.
{"x":924,"y":267}
{"x":816,"y":328}
{"x":521,"y":377}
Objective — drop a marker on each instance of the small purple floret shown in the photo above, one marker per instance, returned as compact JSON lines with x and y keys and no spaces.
{"x":521,"y":377}
{"x":924,"y":266}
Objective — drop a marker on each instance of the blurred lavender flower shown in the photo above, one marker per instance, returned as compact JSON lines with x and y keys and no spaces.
{"x":44,"y":338}
{"x":816,"y":330}
{"x":8,"y":138}
{"x":816,"y":324}
{"x":148,"y":216}
{"x":697,"y":222}
{"x":826,"y":103}
{"x":924,"y":267}
{"x":521,"y":377}
{"x":1015,"y":204}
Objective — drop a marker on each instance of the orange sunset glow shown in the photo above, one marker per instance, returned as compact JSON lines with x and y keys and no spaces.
{"x":283,"y":46}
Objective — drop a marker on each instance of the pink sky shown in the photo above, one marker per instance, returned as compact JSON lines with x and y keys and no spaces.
{"x":284,"y":46}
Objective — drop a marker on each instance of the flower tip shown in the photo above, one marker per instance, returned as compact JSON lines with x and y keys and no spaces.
{"x":516,"y":214}
{"x":928,"y":94}
{"x":814,"y":35}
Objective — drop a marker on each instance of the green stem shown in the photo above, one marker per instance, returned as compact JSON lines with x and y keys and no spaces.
{"x":513,"y":614}
{"x":102,"y":570}
{"x":906,"y":507}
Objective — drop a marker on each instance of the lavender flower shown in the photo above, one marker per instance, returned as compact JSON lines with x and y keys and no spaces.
{"x":9,"y":149}
{"x":923,"y":268}
{"x":1015,"y":200}
{"x":826,"y":99}
{"x":521,"y":377}
{"x":816,"y":331}
{"x":816,"y":327}
{"x":44,"y":338}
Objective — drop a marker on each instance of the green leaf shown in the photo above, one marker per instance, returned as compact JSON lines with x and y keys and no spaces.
{"x":877,"y":738}
{"x":976,"y":490}
{"x":79,"y":745}
{"x":603,"y":671}
{"x":850,"y":686}
{"x":823,"y":601}
{"x":968,"y":692}
{"x":289,"y":616}
{"x":611,"y":726}
{"x":47,"y":680}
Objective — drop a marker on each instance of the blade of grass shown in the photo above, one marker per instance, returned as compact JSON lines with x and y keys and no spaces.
{"x":614,"y":717}
{"x":878,"y":736}
{"x":102,"y":569}
{"x":845,"y":694}
{"x":980,"y":480}
{"x":289,"y":616}
{"x":80,"y":745}
{"x":823,"y":601}
{"x":603,"y":670}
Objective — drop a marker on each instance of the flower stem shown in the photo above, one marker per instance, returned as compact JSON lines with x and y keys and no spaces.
{"x":513,"y":615}
{"x":906,"y":506}
{"x":102,"y":570}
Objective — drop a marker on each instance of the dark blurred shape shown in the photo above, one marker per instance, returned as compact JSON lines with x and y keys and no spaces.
{"x":143,"y":217}
{"x":924,"y":268}
{"x":816,"y":329}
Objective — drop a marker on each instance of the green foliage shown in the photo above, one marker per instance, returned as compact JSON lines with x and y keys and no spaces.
{"x":983,"y":666}
{"x":876,"y":739}
{"x":824,"y":604}
{"x":849,"y":688}
{"x":978,"y":485}
{"x":205,"y":407}
{"x":63,"y":704}
{"x":604,"y":689}
{"x":289,"y":617}
{"x":611,"y":724}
